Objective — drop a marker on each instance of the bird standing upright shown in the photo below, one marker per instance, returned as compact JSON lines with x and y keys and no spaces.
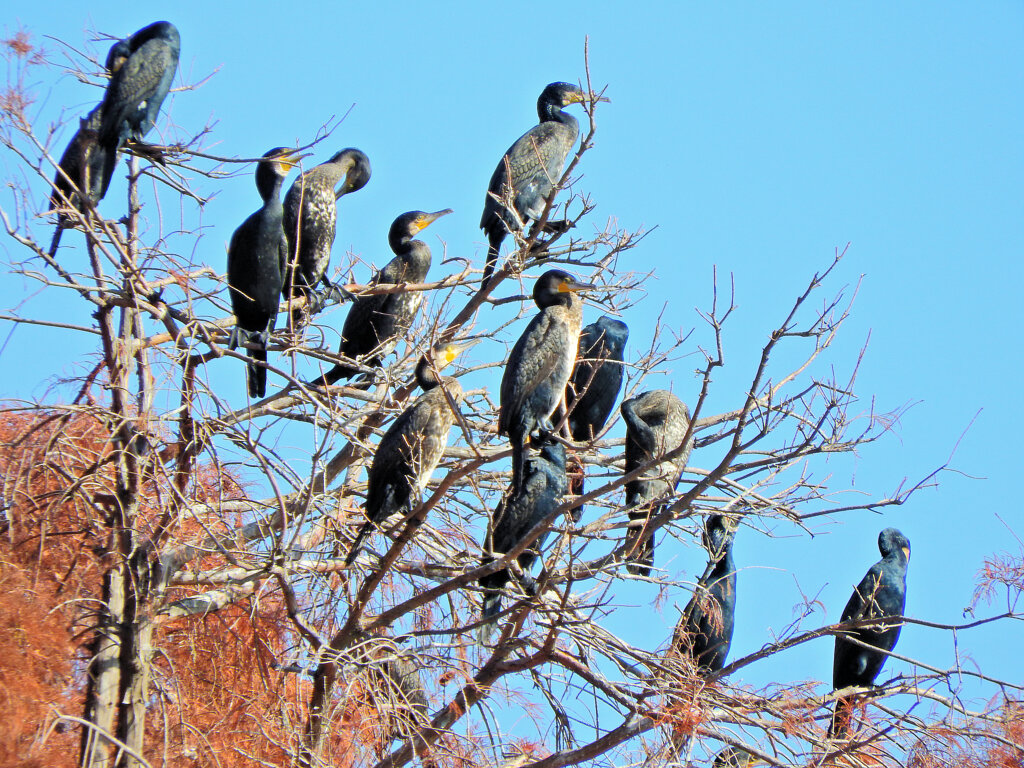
{"x":530,"y":168}
{"x":412,"y":447}
{"x":148,"y":60}
{"x":881,"y":594}
{"x":374,"y":323}
{"x":538,"y":369}
{"x":656,"y":423}
{"x":544,"y":486}
{"x":597,"y":377}
{"x":705,"y":631}
{"x":311,"y":217}
{"x":256,"y":257}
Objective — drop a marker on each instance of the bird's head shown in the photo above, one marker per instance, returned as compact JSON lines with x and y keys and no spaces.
{"x":358,"y":170}
{"x":555,"y":285}
{"x":410,"y":224}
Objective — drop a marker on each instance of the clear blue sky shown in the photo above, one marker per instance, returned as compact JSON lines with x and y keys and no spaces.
{"x":758,"y":138}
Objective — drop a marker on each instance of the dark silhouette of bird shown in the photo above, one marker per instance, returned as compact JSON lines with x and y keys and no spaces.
{"x":597,"y":377}
{"x":736,"y":757}
{"x":86,"y":165}
{"x":881,"y":594}
{"x":311,"y":217}
{"x":375,"y":323}
{"x":538,"y":369}
{"x":144,"y":68}
{"x":544,"y":485}
{"x":256,"y":257}
{"x":530,"y":168}
{"x":656,"y":423}
{"x":412,"y":447}
{"x":704,"y":632}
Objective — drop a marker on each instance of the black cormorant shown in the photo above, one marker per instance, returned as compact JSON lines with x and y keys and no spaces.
{"x":256,"y":259}
{"x":538,"y":369}
{"x":88,"y":162}
{"x":530,"y":168}
{"x":597,"y":378}
{"x":881,"y":593}
{"x":375,"y":323}
{"x":656,"y":423}
{"x":145,"y":66}
{"x":412,"y":447}
{"x":311,"y":216}
{"x":704,"y":632}
{"x":544,"y":485}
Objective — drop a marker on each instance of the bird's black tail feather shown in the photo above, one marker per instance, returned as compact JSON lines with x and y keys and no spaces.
{"x":492,"y":260}
{"x":489,"y":614}
{"x":256,"y":375}
{"x":357,"y":542}
{"x":839,"y":726}
{"x":639,"y":554}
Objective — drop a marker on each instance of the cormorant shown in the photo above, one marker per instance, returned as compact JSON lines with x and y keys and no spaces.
{"x":146,"y":63}
{"x":412,"y":447}
{"x":87,"y":161}
{"x":656,"y":423}
{"x":530,"y":168}
{"x":597,"y":378}
{"x":543,"y":487}
{"x":705,"y":631}
{"x":538,"y":368}
{"x":375,"y":323}
{"x":882,"y":593}
{"x":256,"y":258}
{"x":311,"y":217}
{"x":735,"y":757}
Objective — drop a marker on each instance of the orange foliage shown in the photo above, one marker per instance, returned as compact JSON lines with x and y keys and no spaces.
{"x":992,"y":747}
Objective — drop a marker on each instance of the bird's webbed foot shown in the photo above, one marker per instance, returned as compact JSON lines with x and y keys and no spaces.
{"x":149,"y":151}
{"x":529,"y":585}
{"x":558,"y":226}
{"x":235,"y":337}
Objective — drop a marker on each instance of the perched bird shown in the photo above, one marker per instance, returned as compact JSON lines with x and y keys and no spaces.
{"x":882,"y":593}
{"x":735,"y":757}
{"x":375,"y":323}
{"x":86,"y":162}
{"x":311,"y":216}
{"x":597,"y":378}
{"x":538,"y":368}
{"x":704,"y":632}
{"x":412,"y":447}
{"x":144,"y":67}
{"x":544,"y":485}
{"x":530,"y":169}
{"x":656,"y":423}
{"x":256,"y":257}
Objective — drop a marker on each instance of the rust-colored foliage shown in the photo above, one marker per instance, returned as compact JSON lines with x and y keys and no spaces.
{"x":964,"y":747}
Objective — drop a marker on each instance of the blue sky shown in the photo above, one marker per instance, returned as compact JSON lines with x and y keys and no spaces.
{"x":758,"y":139}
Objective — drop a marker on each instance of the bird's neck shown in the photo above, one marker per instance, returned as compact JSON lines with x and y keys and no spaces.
{"x":550,"y":112}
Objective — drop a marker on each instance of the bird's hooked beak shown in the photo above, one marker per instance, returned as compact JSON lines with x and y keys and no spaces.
{"x":290,"y":159}
{"x":571,"y":285}
{"x":906,"y":553}
{"x":429,"y":218}
{"x":443,"y":355}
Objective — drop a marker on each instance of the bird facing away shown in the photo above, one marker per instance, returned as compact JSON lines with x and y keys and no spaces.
{"x":144,"y":68}
{"x":375,"y":323}
{"x":538,"y":369}
{"x":882,"y":593}
{"x":86,"y":161}
{"x":412,"y":447}
{"x":530,"y":168}
{"x":311,"y":217}
{"x":256,"y":257}
{"x":544,"y":485}
{"x":736,"y":757}
{"x":656,"y":423}
{"x":597,"y":378}
{"x":704,"y":632}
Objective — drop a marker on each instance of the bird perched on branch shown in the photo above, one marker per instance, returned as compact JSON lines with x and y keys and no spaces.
{"x":597,"y":377}
{"x":544,"y":485}
{"x":656,"y":423}
{"x":140,"y":70}
{"x":704,"y":632}
{"x":538,"y":369}
{"x":530,"y":168}
{"x":374,"y":323}
{"x":412,"y":447}
{"x":881,"y":594}
{"x":735,"y":757}
{"x":256,"y":258}
{"x":311,"y":218}
{"x":144,"y":68}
